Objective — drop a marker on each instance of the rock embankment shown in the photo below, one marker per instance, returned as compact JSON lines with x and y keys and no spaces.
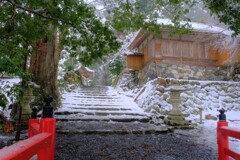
{"x":208,"y":95}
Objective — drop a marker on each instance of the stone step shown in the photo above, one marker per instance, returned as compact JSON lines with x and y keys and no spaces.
{"x":92,"y":90}
{"x":92,"y":93}
{"x":99,"y":113}
{"x":92,"y":127}
{"x":95,"y":94}
{"x":104,"y":118}
{"x":100,"y":108}
{"x":93,"y":100}
{"x":109,"y":106}
{"x":95,"y":97}
{"x":94,"y":104}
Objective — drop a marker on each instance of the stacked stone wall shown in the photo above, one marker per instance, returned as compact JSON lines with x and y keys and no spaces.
{"x":153,"y":70}
{"x":208,"y":95}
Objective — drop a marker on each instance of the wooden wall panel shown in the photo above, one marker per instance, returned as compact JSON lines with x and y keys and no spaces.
{"x":239,"y":56}
{"x":212,"y":53}
{"x":145,"y":53}
{"x":187,"y":61}
{"x":151,"y":51}
{"x":157,"y":47}
{"x":135,"y":62}
{"x":179,"y":48}
{"x":223,"y":57}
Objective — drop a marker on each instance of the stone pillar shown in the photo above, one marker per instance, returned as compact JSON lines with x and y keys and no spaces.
{"x":176,"y":118}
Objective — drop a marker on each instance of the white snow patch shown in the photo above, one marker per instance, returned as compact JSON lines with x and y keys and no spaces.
{"x":5,"y":85}
{"x":89,"y":70}
{"x":198,"y":27}
{"x":209,"y":127}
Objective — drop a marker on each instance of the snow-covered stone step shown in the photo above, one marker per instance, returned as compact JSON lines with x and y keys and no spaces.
{"x":93,"y":97}
{"x":82,"y":105}
{"x":99,"y":108}
{"x":100,"y":113}
{"x":123,"y":118}
{"x":75,"y":104}
{"x":95,"y":94}
{"x":91,"y":100}
{"x":94,"y":127}
{"x":90,"y":90}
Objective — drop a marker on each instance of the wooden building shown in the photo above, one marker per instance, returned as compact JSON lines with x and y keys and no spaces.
{"x":196,"y":49}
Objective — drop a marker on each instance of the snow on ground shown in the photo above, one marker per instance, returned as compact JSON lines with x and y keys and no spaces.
{"x":208,"y":128}
{"x":5,"y":85}
{"x":209,"y":95}
{"x":127,"y":101}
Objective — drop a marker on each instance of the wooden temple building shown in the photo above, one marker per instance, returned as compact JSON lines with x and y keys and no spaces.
{"x":200,"y":49}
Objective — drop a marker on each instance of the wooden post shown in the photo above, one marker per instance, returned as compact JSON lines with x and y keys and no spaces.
{"x":200,"y":109}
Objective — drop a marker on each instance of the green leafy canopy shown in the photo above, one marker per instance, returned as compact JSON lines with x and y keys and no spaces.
{"x":23,"y":22}
{"x":132,"y":15}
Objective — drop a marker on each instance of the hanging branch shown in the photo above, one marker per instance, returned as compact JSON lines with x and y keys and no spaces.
{"x":38,"y":13}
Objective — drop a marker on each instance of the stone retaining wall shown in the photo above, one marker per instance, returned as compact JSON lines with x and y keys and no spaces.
{"x":209,"y":95}
{"x":153,"y":70}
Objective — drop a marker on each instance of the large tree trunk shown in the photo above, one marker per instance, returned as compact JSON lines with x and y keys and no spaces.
{"x":44,"y":65}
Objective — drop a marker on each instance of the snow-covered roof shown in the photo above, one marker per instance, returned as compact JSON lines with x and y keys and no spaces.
{"x":199,"y":27}
{"x":196,"y":27}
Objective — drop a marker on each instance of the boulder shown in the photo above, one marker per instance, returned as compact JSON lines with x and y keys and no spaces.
{"x":210,"y":117}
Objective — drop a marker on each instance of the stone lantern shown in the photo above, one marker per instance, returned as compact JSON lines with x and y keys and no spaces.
{"x":176,"y":118}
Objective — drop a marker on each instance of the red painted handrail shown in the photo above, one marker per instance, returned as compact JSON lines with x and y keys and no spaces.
{"x":41,"y":141}
{"x":223,"y":132}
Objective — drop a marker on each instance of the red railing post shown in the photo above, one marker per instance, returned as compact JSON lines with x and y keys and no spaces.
{"x":222,"y":140}
{"x":41,"y":137}
{"x":47,"y":125}
{"x":30,"y":128}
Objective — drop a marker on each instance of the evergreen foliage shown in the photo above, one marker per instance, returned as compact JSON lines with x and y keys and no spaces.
{"x":24,"y":22}
{"x":117,"y":65}
{"x":141,"y":13}
{"x":228,"y":12}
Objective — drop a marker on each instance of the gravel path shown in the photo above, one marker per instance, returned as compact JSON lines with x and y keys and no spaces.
{"x":180,"y":145}
{"x":171,"y":146}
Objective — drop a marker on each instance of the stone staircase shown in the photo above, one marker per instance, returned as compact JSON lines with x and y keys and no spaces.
{"x":91,"y":110}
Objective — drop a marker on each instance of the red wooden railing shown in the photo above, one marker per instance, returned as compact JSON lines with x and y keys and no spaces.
{"x":223,"y":132}
{"x":41,"y":141}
